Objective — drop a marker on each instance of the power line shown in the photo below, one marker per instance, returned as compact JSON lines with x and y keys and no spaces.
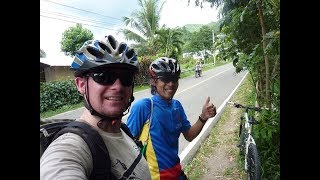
{"x":77,"y":22}
{"x":82,"y":9}
{"x":75,"y":17}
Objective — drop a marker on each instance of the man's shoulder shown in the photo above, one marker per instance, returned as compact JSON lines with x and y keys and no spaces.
{"x":176,"y":102}
{"x":142,"y":102}
{"x":71,"y":141}
{"x":69,"y":138}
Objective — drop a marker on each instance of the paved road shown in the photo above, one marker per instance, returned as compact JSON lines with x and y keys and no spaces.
{"x":218,"y":83}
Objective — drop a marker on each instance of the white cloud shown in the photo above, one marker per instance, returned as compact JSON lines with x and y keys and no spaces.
{"x":178,"y":13}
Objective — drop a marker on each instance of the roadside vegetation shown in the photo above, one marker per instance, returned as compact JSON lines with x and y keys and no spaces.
{"x":208,"y":162}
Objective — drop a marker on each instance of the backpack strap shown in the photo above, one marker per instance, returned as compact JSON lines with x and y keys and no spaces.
{"x":144,"y":148}
{"x":45,"y":133}
{"x":125,"y":128}
{"x":100,"y":155}
{"x":129,"y":171}
{"x":131,"y":168}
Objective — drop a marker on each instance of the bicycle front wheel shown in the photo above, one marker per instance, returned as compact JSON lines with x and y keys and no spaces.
{"x":242,"y":136}
{"x":253,"y":163}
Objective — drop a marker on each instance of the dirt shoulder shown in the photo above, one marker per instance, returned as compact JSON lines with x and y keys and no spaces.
{"x":221,"y":164}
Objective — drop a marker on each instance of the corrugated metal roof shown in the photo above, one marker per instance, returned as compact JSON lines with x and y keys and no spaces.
{"x":59,"y":60}
{"x":42,"y":53}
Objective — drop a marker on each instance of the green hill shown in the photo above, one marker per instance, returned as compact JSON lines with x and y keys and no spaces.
{"x":196,"y":27}
{"x":192,"y":27}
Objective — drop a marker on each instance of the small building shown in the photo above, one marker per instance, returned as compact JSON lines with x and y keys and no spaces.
{"x":55,"y":68}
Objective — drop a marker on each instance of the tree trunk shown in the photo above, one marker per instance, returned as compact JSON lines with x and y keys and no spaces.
{"x":259,"y":86}
{"x":275,"y":68}
{"x":266,"y":60}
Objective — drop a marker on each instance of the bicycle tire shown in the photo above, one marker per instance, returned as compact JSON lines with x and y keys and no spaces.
{"x":242,"y":136}
{"x":253,"y":163}
{"x":240,"y":129}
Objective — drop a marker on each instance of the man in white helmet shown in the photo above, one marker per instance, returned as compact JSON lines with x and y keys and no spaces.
{"x":104,"y":76}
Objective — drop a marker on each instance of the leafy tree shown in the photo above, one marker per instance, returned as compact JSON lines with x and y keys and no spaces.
{"x":201,"y":40}
{"x":73,"y":38}
{"x":253,"y":24}
{"x":186,"y":37}
{"x":251,"y":30}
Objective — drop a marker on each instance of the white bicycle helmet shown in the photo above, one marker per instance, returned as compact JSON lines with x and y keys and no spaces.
{"x":95,"y":54}
{"x":163,"y":67}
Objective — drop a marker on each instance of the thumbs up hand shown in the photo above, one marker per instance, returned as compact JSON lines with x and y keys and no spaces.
{"x":208,"y":110}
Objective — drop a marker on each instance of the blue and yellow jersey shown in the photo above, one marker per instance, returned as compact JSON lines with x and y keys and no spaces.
{"x":168,"y":122}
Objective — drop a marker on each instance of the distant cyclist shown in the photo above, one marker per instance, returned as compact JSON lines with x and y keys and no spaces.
{"x":198,"y":68}
{"x":168,"y":121}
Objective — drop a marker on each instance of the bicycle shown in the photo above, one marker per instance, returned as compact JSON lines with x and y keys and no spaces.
{"x":247,"y":145}
{"x":197,"y":73}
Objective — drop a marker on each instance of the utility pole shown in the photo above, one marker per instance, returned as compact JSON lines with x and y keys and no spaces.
{"x":214,"y":51}
{"x":212,"y":36}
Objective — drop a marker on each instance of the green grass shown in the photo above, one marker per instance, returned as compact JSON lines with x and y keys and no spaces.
{"x":140,"y":88}
{"x":63,"y":109}
{"x":136,"y":89}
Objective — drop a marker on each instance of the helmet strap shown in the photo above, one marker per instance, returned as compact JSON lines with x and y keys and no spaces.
{"x":87,"y":104}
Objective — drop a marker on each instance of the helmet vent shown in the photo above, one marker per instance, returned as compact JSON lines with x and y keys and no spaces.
{"x":112,"y":42}
{"x":104,"y":47}
{"x":163,"y":65}
{"x":95,"y":53}
{"x":130,"y":53}
{"x":122,"y":47}
{"x":155,"y":67}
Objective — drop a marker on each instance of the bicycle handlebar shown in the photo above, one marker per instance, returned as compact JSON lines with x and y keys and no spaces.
{"x":237,"y":105}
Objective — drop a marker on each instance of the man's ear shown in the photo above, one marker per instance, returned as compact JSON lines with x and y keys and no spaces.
{"x":152,"y":82}
{"x":81,"y":84}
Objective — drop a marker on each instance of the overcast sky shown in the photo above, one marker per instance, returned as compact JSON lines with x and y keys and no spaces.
{"x":103,"y":17}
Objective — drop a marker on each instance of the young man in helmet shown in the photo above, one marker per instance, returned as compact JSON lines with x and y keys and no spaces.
{"x":168,"y":121}
{"x":104,"y":76}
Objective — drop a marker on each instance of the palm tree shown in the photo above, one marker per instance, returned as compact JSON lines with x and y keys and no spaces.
{"x":143,"y":25}
{"x":170,"y":41}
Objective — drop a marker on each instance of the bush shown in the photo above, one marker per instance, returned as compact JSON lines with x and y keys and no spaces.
{"x":56,"y":94}
{"x":143,"y":76}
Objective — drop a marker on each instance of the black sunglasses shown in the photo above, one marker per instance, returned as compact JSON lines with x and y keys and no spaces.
{"x":169,"y":79}
{"x":109,"y":77}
